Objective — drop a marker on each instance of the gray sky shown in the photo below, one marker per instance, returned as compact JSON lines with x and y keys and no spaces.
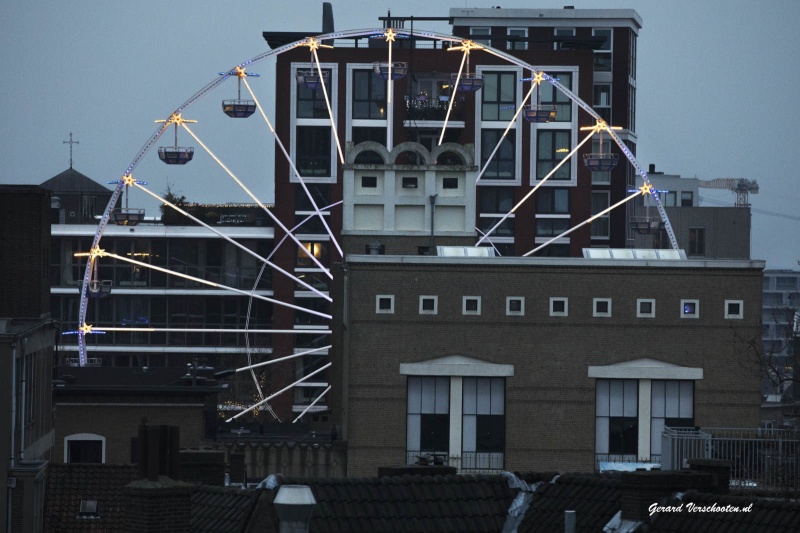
{"x":717,"y":91}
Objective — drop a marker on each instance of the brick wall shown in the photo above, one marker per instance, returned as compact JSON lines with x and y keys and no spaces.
{"x":550,"y":400}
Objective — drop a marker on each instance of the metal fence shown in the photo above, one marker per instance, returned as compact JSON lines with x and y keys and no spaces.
{"x":466,"y":463}
{"x":766,"y":459}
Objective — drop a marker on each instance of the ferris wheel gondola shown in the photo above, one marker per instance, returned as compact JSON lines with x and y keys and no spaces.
{"x":239,"y":108}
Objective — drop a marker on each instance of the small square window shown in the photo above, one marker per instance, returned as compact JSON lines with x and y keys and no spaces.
{"x":449,"y":183}
{"x":734,"y":309}
{"x":410,"y":183}
{"x":471,"y":305}
{"x":690,"y":308}
{"x":428,"y":305}
{"x":369,"y":182}
{"x":88,"y":509}
{"x":559,"y":307}
{"x":601,"y":307}
{"x":645,"y":308}
{"x":515,"y":306}
{"x":384,"y":303}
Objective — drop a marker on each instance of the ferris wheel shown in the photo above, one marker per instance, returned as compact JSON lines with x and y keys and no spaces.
{"x":182,"y":138}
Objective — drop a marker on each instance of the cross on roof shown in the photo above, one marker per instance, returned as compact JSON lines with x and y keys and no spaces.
{"x":70,"y":142}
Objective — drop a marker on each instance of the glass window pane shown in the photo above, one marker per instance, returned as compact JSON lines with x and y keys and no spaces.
{"x":498,"y":396}
{"x":687,"y":399}
{"x":484,"y":396}
{"x":616,"y":397}
{"x":413,"y":432}
{"x":601,"y":434}
{"x":442,"y":395}
{"x":602,"y":397}
{"x":672,"y":399}
{"x":657,"y":402}
{"x":468,"y":435}
{"x":428,"y":395}
{"x":631,"y":407}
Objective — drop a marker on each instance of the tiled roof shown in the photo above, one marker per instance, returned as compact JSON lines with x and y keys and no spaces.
{"x":73,"y":181}
{"x":221,"y":509}
{"x":413,"y":504}
{"x":68,"y":484}
{"x":765,"y":516}
{"x":595,"y":498}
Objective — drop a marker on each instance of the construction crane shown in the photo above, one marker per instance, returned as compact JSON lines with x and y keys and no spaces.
{"x":741,"y":187}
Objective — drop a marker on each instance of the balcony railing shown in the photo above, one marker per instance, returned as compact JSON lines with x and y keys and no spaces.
{"x":466,"y":463}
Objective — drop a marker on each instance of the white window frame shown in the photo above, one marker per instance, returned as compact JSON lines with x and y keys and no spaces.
{"x":296,"y":122}
{"x":734,"y":316}
{"x":378,"y":299}
{"x":595,"y":312}
{"x":640,"y":314}
{"x":554,"y":299}
{"x":435,"y":310}
{"x":84,"y":436}
{"x":501,"y":125}
{"x":556,"y":31}
{"x":606,"y":217}
{"x":517,"y":45}
{"x":465,"y":299}
{"x":686,"y":302}
{"x":487,"y":37}
{"x":571,"y":126}
{"x":521,"y":300}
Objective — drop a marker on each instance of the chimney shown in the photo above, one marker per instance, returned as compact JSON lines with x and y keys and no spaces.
{"x":294,"y":505}
{"x":156,"y":502}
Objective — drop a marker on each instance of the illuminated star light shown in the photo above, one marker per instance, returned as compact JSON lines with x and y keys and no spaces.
{"x":538,"y":78}
{"x":466,"y":46}
{"x":128,"y":180}
{"x":96,"y":252}
{"x":646,"y":189}
{"x":85,"y":329}
{"x":176,"y":119}
{"x":390,"y":35}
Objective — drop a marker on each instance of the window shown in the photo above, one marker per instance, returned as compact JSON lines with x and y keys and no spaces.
{"x":428,"y":305}
{"x":671,"y":405}
{"x":604,"y":177}
{"x":320,"y":194}
{"x":602,"y":101}
{"x":428,"y":415}
{"x":496,"y":202}
{"x":503,"y":164}
{"x":550,"y":227}
{"x":697,"y":241}
{"x":311,"y":102}
{"x":552,"y":146}
{"x":601,"y":307}
{"x":616,"y":418}
{"x":734,"y":309}
{"x":449,"y":183}
{"x":687,"y":198}
{"x":471,"y":305}
{"x":369,"y":182}
{"x":552,"y":201}
{"x":550,"y":96}
{"x":484,"y":424}
{"x":314,"y":151}
{"x":785,"y":283}
{"x":559,"y":307}
{"x":84,"y":448}
{"x":600,"y":228}
{"x":519,"y":41}
{"x":645,"y":308}
{"x":499,"y":96}
{"x":88,"y":509}
{"x":563,"y":38}
{"x":319,"y":250}
{"x":477,"y":33}
{"x":602,"y":55}
{"x":690,"y":308}
{"x":384,"y":303}
{"x":410,"y":182}
{"x":369,"y":95}
{"x":515,"y":306}
{"x":669,"y":198}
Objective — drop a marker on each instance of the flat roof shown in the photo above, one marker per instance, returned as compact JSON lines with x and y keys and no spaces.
{"x":161,"y":231}
{"x":468,"y":16}
{"x":427,"y":260}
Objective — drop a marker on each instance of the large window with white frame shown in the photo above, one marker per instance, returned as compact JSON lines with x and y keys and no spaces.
{"x":313,"y":145}
{"x":552,"y":148}
{"x":518,"y":39}
{"x":428,"y":416}
{"x":499,"y":96}
{"x":562,"y":38}
{"x":368,"y":96}
{"x":550,"y":96}
{"x":484,"y":423}
{"x":617,"y":419}
{"x":601,"y":101}
{"x":504,"y":161}
{"x":481,"y":35}
{"x":671,"y":405}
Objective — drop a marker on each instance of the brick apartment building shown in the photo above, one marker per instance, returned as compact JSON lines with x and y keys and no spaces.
{"x":542,"y":363}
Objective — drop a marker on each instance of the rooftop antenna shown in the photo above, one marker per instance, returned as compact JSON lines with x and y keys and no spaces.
{"x":70,"y":142}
